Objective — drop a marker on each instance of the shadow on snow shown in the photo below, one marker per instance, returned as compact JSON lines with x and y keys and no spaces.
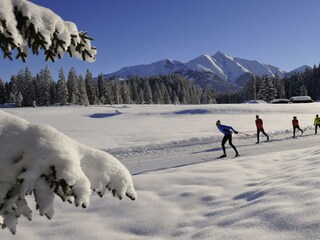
{"x":193,"y":111}
{"x":104,"y":115}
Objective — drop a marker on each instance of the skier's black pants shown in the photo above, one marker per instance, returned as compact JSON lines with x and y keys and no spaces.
{"x":258,"y":133}
{"x":294,"y":130}
{"x":224,"y":140}
{"x":316,"y":128}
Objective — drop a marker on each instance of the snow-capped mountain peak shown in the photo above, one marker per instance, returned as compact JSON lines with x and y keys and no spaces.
{"x":218,"y":69}
{"x":255,"y":67}
{"x":221,"y":55}
{"x":299,"y":69}
{"x":229,"y":66}
{"x":206,"y":63}
{"x":165,"y":66}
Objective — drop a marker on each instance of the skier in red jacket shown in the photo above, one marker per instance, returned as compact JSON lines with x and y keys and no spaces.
{"x":295,"y":125}
{"x":259,"y":124}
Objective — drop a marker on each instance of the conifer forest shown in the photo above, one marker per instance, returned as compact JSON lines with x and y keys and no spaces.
{"x":25,"y":89}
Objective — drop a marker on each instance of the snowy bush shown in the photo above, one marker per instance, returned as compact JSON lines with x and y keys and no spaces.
{"x":40,"y":161}
{"x":25,"y":25}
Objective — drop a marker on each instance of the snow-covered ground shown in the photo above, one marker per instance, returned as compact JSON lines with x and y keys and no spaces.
{"x":272,"y":191}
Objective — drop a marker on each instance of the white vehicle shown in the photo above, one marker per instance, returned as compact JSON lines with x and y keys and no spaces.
{"x":280,"y":101}
{"x":301,"y":99}
{"x":254,"y":101}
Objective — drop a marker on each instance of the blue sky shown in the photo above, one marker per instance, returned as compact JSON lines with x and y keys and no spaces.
{"x":284,"y":33}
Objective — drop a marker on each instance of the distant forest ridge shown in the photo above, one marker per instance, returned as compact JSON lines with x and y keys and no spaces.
{"x":24,"y":89}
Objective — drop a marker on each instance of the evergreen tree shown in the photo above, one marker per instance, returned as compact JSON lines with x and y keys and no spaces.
{"x":262,"y":93}
{"x":44,"y":86}
{"x":19,"y":99}
{"x":91,"y":88}
{"x":83,"y":92}
{"x":125,"y":92}
{"x":62,"y":90}
{"x":175,"y":99}
{"x":207,"y":97}
{"x":156,"y":93}
{"x":266,"y":90}
{"x":314,"y":76}
{"x":182,"y":95}
{"x":20,"y":86}
{"x":303,"y":91}
{"x":307,"y":82}
{"x":36,"y":83}
{"x":13,"y":89}
{"x":147,"y":96}
{"x":73,"y":87}
{"x":7,"y":91}
{"x":26,"y":87}
{"x":102,"y":88}
{"x":165,"y":94}
{"x":53,"y":92}
{"x":294,"y":85}
{"x":272,"y":92}
{"x":116,"y":92}
{"x":140,"y":97}
{"x":2,"y":92}
{"x":134,"y":87}
{"x":279,"y":85}
{"x":195,"y":94}
{"x":109,"y":94}
{"x":250,"y":88}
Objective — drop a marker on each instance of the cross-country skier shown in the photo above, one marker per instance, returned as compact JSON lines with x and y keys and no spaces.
{"x":227,"y":131}
{"x":295,"y":125}
{"x":259,"y":124}
{"x":316,"y":123}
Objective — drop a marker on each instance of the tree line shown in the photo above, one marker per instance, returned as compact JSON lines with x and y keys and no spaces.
{"x":24,"y":89}
{"x":267,"y":88}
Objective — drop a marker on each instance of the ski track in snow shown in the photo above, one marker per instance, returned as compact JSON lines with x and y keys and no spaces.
{"x":153,"y":158}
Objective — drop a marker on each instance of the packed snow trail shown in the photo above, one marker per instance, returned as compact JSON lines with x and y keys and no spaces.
{"x":146,"y":159}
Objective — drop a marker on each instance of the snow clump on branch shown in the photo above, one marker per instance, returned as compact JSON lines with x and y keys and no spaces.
{"x":41,"y":161}
{"x":25,"y":25}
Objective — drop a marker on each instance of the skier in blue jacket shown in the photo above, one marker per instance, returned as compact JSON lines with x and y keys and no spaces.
{"x":227,"y":131}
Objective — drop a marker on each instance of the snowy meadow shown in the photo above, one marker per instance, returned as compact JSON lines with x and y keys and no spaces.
{"x":272,"y":191}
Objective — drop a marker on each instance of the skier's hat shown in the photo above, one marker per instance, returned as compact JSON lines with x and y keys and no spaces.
{"x":218,"y":122}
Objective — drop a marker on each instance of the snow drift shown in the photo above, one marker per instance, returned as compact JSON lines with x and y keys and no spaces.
{"x":41,"y":161}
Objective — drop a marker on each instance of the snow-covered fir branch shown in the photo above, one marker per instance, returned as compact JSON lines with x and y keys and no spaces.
{"x":40,"y":161}
{"x":25,"y":25}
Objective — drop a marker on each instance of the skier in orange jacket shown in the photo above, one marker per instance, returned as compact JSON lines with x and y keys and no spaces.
{"x":259,"y":124}
{"x":295,"y":125}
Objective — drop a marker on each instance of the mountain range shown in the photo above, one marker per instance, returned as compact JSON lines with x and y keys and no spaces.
{"x":219,"y":71}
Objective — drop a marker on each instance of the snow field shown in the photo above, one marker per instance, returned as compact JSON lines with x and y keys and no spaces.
{"x":270,"y":192}
{"x":154,"y":125}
